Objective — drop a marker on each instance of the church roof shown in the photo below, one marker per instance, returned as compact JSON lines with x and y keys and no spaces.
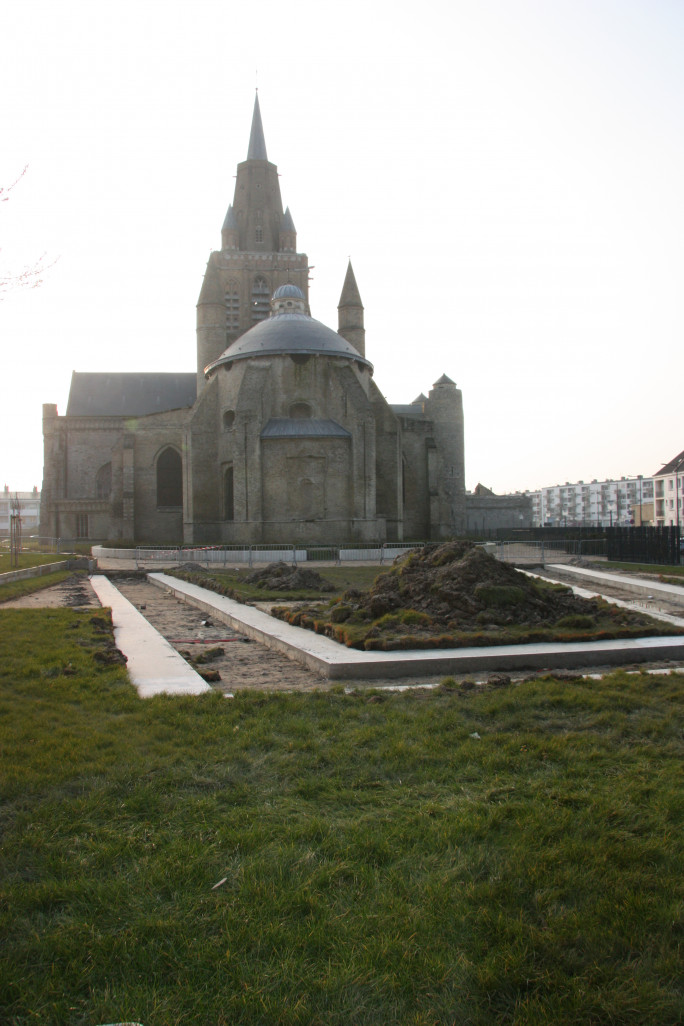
{"x":288,"y":290}
{"x":414,"y":411}
{"x":445,"y":380}
{"x":129,"y":395}
{"x":290,"y":427}
{"x":257,"y":143}
{"x":292,"y":334}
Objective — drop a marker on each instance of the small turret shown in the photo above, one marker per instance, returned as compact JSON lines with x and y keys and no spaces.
{"x":230,"y":234}
{"x":287,"y":238}
{"x":350,"y":313}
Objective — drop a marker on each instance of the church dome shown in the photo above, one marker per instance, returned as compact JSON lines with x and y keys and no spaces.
{"x":285,"y":291}
{"x":288,"y":334}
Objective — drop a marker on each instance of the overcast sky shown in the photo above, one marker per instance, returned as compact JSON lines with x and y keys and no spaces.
{"x":506,"y":175}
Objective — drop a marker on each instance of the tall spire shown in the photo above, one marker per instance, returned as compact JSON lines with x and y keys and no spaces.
{"x":350,"y":313}
{"x":350,"y":290}
{"x":257,"y":143}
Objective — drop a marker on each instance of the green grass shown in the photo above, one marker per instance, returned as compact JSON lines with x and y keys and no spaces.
{"x":382,"y":864}
{"x":28,"y":559}
{"x":233,"y":583}
{"x":16,"y":589}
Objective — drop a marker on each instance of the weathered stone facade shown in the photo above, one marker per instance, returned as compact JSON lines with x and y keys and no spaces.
{"x":282,"y":434}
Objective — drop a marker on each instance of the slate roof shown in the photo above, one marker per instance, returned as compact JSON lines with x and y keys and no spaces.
{"x":413,"y":411}
{"x":289,"y":333}
{"x":288,"y":427}
{"x":257,"y":143}
{"x":129,"y":395}
{"x":674,"y":466}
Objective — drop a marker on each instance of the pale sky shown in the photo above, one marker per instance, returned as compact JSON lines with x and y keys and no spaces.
{"x":506,"y":175}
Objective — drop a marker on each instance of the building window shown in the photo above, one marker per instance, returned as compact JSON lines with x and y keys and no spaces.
{"x":228,"y":419}
{"x":103,"y":482}
{"x":261,"y":295}
{"x":82,"y":525}
{"x":228,"y":495}
{"x":258,"y":234}
{"x":169,"y":479}
{"x":232,"y":307}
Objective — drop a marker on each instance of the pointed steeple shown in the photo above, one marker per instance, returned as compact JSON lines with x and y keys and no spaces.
{"x":350,"y":290}
{"x":257,"y":143}
{"x":350,"y":313}
{"x":287,"y":236}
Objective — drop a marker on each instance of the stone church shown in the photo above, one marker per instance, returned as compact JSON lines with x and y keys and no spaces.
{"x":281,"y":435}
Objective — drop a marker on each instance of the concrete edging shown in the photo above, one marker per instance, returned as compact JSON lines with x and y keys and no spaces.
{"x":154,"y":666}
{"x":336,"y":662}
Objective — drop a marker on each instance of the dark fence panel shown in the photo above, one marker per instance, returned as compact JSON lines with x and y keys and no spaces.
{"x":643,"y":545}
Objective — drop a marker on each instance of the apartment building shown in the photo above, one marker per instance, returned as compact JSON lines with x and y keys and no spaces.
{"x":29,"y":507}
{"x":669,"y":493}
{"x":600,"y":503}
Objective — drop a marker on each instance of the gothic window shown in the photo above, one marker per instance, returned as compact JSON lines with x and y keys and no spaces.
{"x":261,"y":294}
{"x":232,"y":307}
{"x":228,"y":419}
{"x":258,"y":234}
{"x":228,"y":495}
{"x":81,"y":525}
{"x":169,"y":478}
{"x":103,"y":481}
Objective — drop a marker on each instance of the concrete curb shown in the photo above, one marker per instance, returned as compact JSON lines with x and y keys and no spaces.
{"x":336,"y":662}
{"x":154,"y":666}
{"x":643,"y":589}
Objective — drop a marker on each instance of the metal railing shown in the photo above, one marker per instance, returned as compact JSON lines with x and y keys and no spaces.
{"x":224,"y":555}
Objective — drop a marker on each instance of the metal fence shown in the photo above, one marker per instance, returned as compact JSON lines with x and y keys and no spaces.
{"x":539,"y":553}
{"x":231,"y":555}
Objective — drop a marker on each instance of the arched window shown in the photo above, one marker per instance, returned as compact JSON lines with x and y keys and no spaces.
{"x":261,"y":295}
{"x":232,"y":307}
{"x":169,"y":478}
{"x":103,"y":481}
{"x":228,"y":494}
{"x":300,"y":411}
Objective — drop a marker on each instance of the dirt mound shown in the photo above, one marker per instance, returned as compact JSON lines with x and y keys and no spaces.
{"x":456,"y":595}
{"x":282,"y":577}
{"x":459,"y":583}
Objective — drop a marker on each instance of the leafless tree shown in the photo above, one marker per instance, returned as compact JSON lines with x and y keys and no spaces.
{"x":29,"y":277}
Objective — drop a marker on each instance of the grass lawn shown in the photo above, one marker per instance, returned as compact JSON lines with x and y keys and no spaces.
{"x":512,"y":856}
{"x":15,"y":589}
{"x":28,"y":559}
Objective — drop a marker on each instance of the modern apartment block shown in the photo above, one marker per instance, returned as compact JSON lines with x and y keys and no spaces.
{"x":669,"y":493}
{"x":601,"y":503}
{"x":29,"y":507}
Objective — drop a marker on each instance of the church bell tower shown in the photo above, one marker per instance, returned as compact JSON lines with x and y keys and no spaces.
{"x":258,"y":254}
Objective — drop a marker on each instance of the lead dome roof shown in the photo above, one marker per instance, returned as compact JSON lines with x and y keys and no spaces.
{"x":289,"y":334}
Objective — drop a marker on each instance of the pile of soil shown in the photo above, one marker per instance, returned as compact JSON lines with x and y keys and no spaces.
{"x":282,"y":577}
{"x":456,"y":594}
{"x":460,"y":584}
